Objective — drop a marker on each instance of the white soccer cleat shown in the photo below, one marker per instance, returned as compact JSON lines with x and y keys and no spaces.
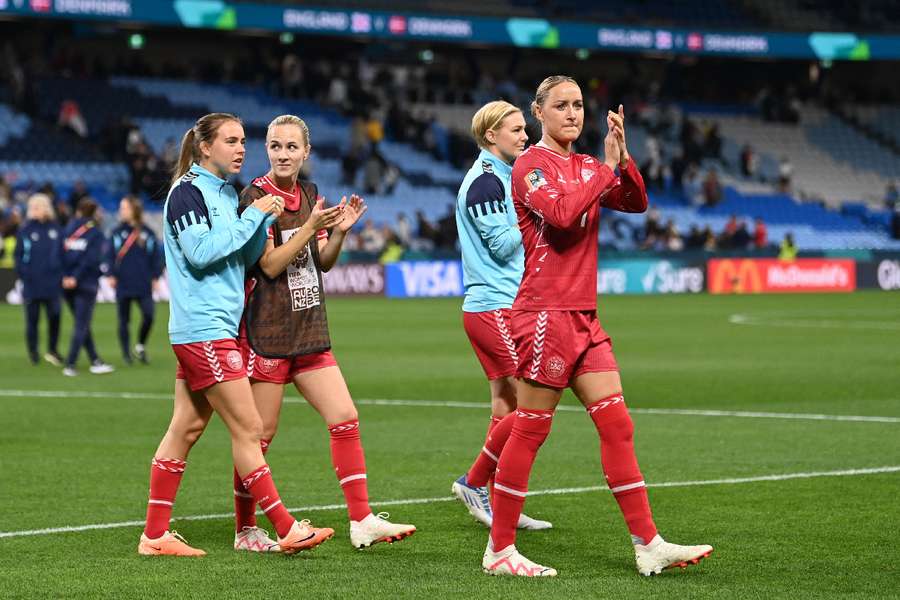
{"x":475,"y":499}
{"x":99,"y":367}
{"x":659,"y":554}
{"x":376,"y":528}
{"x":254,"y":539}
{"x":509,"y":562}
{"x":526,"y":522}
{"x":70,"y":372}
{"x":478,"y":502}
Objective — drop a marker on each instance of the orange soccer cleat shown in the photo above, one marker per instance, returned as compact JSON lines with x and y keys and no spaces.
{"x":168,"y":544}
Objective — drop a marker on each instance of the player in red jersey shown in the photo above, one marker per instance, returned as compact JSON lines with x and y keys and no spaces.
{"x":285,"y":332}
{"x":558,"y":195}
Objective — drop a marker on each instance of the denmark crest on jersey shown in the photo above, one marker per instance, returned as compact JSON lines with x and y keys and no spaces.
{"x":535,"y":179}
{"x":586,"y":174}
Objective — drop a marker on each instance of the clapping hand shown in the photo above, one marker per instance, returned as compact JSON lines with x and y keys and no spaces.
{"x":353,"y":211}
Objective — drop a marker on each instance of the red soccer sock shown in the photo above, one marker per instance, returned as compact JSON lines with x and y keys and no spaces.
{"x":165,"y":475}
{"x":610,"y":416}
{"x":486,"y":463}
{"x":530,"y":429}
{"x":244,"y":504}
{"x":259,"y":483}
{"x":350,"y":466}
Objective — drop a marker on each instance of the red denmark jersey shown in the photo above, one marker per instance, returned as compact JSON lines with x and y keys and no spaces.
{"x":291,"y":199}
{"x":558,"y":200}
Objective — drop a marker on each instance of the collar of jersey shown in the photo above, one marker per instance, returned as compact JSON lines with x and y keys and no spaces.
{"x":500,"y":167}
{"x":203,"y":172}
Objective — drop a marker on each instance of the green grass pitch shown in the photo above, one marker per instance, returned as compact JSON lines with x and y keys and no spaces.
{"x":82,"y":457}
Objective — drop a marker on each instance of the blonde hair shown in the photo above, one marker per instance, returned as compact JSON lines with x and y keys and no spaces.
{"x":204,"y":130}
{"x":489,"y":118}
{"x":289,"y":120}
{"x":540,"y":96}
{"x":40,"y":200}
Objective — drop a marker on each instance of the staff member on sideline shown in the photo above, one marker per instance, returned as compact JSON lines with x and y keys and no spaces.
{"x":136,"y":262}
{"x":82,"y":255}
{"x":39,"y":265}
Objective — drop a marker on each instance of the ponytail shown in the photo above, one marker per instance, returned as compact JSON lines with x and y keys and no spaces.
{"x":204,"y":130}
{"x":185,"y":157}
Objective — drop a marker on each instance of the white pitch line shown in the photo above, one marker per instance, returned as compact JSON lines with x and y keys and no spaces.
{"x":482,"y":406}
{"x":437,"y":499}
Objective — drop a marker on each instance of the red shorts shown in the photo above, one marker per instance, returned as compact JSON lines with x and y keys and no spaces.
{"x":283,"y":370}
{"x":555,"y":346}
{"x":490,"y":333}
{"x":203,"y":364}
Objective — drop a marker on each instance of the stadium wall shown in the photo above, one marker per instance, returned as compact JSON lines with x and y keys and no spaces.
{"x":732,"y":275}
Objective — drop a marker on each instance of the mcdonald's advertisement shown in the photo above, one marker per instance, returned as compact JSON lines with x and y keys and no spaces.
{"x":767,"y":275}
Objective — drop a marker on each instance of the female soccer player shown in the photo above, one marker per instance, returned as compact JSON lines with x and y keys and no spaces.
{"x":559,"y":342}
{"x":492,"y":258}
{"x":38,"y":258}
{"x":287,"y":332}
{"x":135,"y":259}
{"x":82,"y":254}
{"x":207,"y":248}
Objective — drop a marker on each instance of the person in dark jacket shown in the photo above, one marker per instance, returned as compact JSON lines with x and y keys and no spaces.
{"x":135,"y":261}
{"x":83,"y":246}
{"x":38,"y":256}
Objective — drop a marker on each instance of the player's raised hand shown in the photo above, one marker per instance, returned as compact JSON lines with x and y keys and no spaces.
{"x":617,"y":121}
{"x":353,"y":211}
{"x":325,"y":218}
{"x":611,"y":147}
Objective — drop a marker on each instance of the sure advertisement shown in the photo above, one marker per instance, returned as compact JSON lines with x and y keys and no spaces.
{"x":650,"y":277}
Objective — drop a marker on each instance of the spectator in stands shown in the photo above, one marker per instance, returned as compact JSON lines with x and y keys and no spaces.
{"x":709,"y":239}
{"x":712,"y":143}
{"x":895,"y":222}
{"x":741,"y":239}
{"x":79,"y":191}
{"x":760,"y":234}
{"x":404,"y":231}
{"x":788,"y":250}
{"x":38,"y":258}
{"x":695,"y":238}
{"x":652,"y":167}
{"x":70,"y":117}
{"x":371,"y":238}
{"x":291,"y":76}
{"x":447,"y":232}
{"x":356,"y":149}
{"x":425,"y":229}
{"x":726,"y":238}
{"x":785,"y":172}
{"x":749,"y":162}
{"x":672,"y":238}
{"x":891,"y":195}
{"x":82,"y":257}
{"x":9,"y":228}
{"x":712,"y":188}
{"x":653,"y":230}
{"x":5,"y":195}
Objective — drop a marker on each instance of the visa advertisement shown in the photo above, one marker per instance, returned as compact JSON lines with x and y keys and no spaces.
{"x":769,"y":275}
{"x":418,"y":279}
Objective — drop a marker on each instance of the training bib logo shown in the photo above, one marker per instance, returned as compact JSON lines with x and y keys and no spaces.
{"x":303,"y":280}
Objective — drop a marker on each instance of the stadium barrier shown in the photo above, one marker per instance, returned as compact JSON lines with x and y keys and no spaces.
{"x":444,"y":278}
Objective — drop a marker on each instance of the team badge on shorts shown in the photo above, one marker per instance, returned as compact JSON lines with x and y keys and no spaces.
{"x":535,"y":179}
{"x":556,"y":366}
{"x":234,"y":360}
{"x":267,"y":365}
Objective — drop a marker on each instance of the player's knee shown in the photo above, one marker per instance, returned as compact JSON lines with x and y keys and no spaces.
{"x":189,"y":431}
{"x":619,"y":431}
{"x":348,"y":413}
